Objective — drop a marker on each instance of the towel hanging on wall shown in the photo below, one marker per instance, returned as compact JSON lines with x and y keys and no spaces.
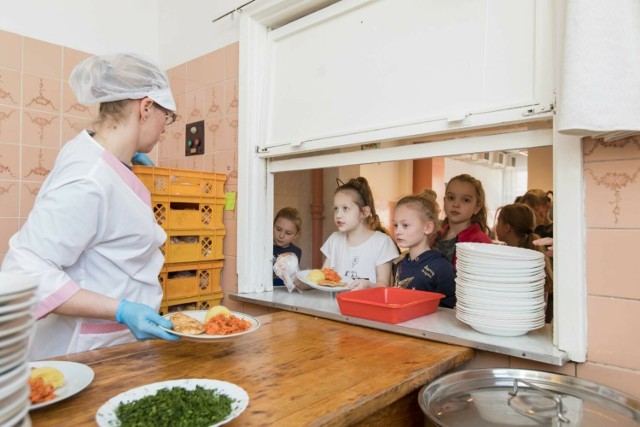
{"x":600,"y":92}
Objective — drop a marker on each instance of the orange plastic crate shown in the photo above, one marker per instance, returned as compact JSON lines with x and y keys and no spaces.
{"x":188,"y":213}
{"x":190,"y":280}
{"x":388,"y":305}
{"x":186,"y":246}
{"x":181,"y":182}
{"x":203,"y":302}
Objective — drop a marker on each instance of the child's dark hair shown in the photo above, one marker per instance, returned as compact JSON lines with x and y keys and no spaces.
{"x":425,"y":204}
{"x":536,"y":197}
{"x":479,"y":218}
{"x":292,"y":215}
{"x":363,"y":196}
{"x":522,"y":220}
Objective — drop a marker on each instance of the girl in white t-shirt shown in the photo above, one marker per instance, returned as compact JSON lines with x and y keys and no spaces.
{"x":361,"y":251}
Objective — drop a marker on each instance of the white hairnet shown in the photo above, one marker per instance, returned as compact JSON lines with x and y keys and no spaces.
{"x":106,"y":78}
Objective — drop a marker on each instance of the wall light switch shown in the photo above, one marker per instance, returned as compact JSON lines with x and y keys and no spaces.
{"x":194,"y":139}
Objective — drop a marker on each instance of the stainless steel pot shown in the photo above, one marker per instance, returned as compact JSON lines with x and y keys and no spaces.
{"x":518,"y":397}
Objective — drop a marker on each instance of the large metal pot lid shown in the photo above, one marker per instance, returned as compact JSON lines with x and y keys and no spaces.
{"x":518,"y":397}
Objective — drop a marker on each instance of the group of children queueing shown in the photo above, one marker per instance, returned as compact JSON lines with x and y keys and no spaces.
{"x":363,"y":252}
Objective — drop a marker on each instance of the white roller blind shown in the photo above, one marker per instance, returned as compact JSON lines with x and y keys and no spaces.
{"x":365,"y":65}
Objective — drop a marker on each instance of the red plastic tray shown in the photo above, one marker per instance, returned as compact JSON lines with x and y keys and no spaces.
{"x":389,"y":305}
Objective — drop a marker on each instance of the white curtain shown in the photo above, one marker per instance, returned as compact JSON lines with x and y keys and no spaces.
{"x":600,"y":93}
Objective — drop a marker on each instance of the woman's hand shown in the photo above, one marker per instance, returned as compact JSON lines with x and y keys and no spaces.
{"x":143,"y":321}
{"x":547,"y":242}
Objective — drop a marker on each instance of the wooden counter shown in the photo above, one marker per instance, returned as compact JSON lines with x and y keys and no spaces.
{"x":297,"y":370}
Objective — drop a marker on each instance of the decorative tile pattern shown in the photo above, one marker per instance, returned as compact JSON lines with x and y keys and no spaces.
{"x":9,"y":199}
{"x":37,"y":162}
{"x":612,"y":190}
{"x":42,"y":129}
{"x":231,"y":96}
{"x":195,"y":106}
{"x":9,"y":125}
{"x":9,"y":87}
{"x":41,"y":93}
{"x":214,"y":98}
{"x":600,"y":150}
{"x":9,"y":161}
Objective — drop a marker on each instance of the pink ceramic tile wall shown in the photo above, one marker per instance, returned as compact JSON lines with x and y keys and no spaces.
{"x":38,"y":114}
{"x":206,"y":88}
{"x":612,"y":186}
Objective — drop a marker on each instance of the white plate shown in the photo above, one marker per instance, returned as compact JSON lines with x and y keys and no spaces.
{"x":106,"y":415}
{"x":16,"y":283}
{"x":13,"y":405}
{"x":491,"y":251}
{"x":200,"y":316}
{"x":16,"y":337}
{"x":13,"y":380}
{"x":10,"y":298}
{"x":9,"y":361}
{"x":76,"y":378}
{"x":16,"y":325}
{"x":302,"y":276}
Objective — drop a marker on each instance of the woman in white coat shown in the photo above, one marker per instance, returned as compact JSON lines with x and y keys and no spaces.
{"x":91,"y":236}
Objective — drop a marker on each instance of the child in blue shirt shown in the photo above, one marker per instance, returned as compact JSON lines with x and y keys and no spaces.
{"x":415,"y":222}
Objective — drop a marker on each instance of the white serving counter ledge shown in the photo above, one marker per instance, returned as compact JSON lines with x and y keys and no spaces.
{"x":440,"y":326}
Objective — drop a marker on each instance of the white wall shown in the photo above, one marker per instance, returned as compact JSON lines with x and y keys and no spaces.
{"x":169,"y":32}
{"x":89,"y":26}
{"x":186,"y":30}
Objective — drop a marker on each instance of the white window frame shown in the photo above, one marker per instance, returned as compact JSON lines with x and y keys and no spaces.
{"x":256,"y":169}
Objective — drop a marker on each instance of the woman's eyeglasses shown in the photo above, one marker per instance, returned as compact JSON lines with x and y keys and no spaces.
{"x":170,"y":116}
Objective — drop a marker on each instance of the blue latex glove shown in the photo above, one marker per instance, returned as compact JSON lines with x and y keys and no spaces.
{"x":141,"y":159}
{"x":143,"y":321}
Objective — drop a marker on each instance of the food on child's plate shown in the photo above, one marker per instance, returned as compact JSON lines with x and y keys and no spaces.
{"x":326,"y":277}
{"x":44,"y":381}
{"x":218,"y":321}
{"x":331,"y":275}
{"x":315,"y":275}
{"x":214,"y":311}
{"x":186,"y":324}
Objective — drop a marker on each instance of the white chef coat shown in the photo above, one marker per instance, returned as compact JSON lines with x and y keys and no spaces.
{"x":92,"y":228}
{"x":358,"y":261}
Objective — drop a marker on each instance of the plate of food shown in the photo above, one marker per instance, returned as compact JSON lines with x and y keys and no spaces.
{"x":53,"y":381}
{"x":217,"y":323}
{"x":324,"y":279}
{"x":193,"y":402}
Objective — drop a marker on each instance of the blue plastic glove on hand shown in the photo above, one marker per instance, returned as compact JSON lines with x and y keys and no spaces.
{"x":143,"y":321}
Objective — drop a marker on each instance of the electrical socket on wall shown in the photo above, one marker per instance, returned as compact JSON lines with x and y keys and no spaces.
{"x":194,"y":139}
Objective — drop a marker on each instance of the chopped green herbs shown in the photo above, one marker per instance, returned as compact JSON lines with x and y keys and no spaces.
{"x":176,"y":407}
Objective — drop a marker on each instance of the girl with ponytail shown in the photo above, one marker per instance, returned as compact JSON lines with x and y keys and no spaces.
{"x":415,"y":223}
{"x":361,"y":251}
{"x":515,"y":227}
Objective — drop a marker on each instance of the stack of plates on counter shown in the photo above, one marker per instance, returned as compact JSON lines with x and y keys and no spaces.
{"x":500,"y":289}
{"x":17,"y":301}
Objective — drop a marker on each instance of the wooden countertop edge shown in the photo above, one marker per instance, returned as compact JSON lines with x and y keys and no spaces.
{"x":351,"y":414}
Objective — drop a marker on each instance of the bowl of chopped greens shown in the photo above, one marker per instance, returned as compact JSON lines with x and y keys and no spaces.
{"x":188,"y":402}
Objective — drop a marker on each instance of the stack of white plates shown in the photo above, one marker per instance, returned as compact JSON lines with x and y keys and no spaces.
{"x":500,"y":289}
{"x":17,"y":301}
